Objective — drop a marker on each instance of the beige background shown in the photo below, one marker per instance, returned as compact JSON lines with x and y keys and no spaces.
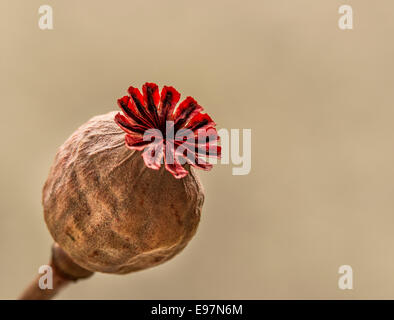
{"x":319,"y":101}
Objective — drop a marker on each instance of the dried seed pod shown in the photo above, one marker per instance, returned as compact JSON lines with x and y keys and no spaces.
{"x":110,"y":212}
{"x":106,"y":207}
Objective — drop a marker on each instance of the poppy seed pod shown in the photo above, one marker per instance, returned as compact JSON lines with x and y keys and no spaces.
{"x":114,"y":201}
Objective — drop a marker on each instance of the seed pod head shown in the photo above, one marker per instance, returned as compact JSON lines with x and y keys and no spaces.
{"x":105,"y":205}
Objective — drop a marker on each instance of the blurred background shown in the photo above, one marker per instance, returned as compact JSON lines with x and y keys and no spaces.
{"x":319,"y":101}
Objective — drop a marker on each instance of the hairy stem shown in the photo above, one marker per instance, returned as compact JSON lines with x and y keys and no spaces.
{"x":64,"y":271}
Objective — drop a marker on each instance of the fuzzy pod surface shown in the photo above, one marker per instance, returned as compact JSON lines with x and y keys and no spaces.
{"x":108,"y":211}
{"x":109,"y":203}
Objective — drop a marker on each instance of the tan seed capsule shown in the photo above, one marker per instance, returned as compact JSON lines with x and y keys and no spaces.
{"x":122,"y":194}
{"x":108,"y":211}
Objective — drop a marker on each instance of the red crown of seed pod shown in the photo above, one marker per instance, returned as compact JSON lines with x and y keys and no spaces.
{"x":182,"y":125}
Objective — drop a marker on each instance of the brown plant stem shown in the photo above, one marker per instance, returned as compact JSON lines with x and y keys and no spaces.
{"x":64,"y":271}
